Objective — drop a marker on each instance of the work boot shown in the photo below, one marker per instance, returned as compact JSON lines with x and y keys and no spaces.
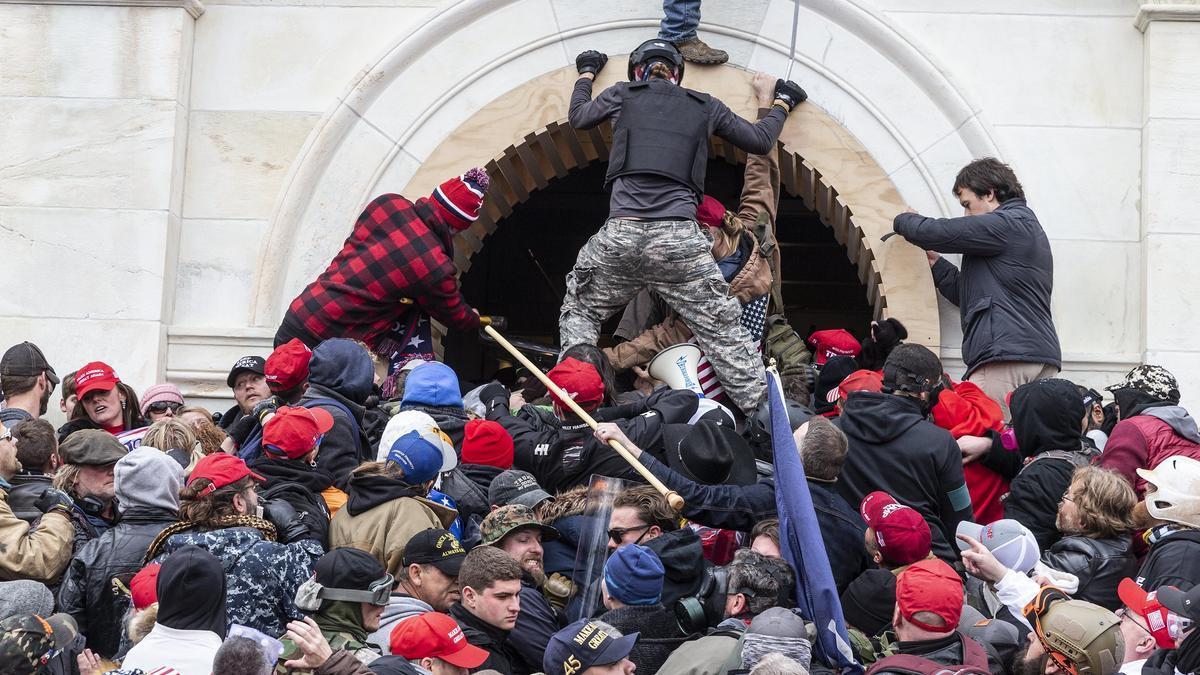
{"x":695,"y":51}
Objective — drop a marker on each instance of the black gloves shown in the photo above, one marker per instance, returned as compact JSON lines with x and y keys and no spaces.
{"x":590,"y":61}
{"x":790,"y":93}
{"x":240,"y":430}
{"x":289,"y":525}
{"x":53,"y":499}
{"x":267,"y":406}
{"x":493,"y":396}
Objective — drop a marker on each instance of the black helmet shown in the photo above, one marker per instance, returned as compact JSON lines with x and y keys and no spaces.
{"x":656,"y":49}
{"x":758,"y":426}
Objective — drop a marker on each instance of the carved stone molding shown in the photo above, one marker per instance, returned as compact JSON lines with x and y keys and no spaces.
{"x":1173,"y":11}
{"x":193,"y":7}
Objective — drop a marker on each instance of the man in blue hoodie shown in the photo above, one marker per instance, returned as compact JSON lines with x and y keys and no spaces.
{"x":340,"y":378}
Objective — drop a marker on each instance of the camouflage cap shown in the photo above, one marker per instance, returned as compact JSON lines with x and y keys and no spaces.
{"x":1150,"y":379}
{"x":29,"y":641}
{"x":506,"y":519}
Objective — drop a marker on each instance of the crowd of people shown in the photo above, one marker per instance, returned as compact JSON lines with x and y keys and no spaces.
{"x":361,"y":508}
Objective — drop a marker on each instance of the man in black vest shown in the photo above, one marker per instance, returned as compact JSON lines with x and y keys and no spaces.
{"x":651,"y":240}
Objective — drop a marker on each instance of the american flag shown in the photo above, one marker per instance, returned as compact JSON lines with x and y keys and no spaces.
{"x":754,"y":318}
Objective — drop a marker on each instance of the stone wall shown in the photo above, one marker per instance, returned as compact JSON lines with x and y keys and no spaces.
{"x":151,"y":147}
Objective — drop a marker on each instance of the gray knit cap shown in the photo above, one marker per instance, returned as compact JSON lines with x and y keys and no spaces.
{"x":25,"y":597}
{"x":777,"y":630}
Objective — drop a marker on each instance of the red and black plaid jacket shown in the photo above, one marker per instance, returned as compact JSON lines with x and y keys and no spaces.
{"x":399,"y":249}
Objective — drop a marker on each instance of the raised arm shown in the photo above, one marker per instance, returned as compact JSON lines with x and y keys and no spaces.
{"x":984,"y":234}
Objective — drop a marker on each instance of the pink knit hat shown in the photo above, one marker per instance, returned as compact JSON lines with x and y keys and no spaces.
{"x":161,"y":392}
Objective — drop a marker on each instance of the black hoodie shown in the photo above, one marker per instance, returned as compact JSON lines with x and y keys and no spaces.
{"x":191,"y":591}
{"x":367,"y":492}
{"x":682,"y":557}
{"x":893,"y":448}
{"x":341,"y":370}
{"x":1046,"y":415}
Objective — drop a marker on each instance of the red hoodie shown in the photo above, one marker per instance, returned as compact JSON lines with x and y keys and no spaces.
{"x":964,"y":410}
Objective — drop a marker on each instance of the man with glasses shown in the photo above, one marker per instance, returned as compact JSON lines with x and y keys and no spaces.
{"x":642,"y":516}
{"x":40,"y":554}
{"x":1146,"y":625}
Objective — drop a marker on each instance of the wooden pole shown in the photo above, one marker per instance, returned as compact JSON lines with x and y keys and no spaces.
{"x":673,"y":497}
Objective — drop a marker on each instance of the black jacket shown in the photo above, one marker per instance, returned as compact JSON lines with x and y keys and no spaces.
{"x":467,"y":485}
{"x":1045,"y":417}
{"x":893,"y":448}
{"x":486,"y":637}
{"x":562,"y":457}
{"x":1174,"y":560}
{"x":340,"y":451}
{"x":1003,"y":290}
{"x":299,"y":484}
{"x":451,"y":420}
{"x":536,"y":624}
{"x":1100,"y":564}
{"x":87,"y":592}
{"x":682,"y":556}
{"x":27,"y":487}
{"x":658,"y":633}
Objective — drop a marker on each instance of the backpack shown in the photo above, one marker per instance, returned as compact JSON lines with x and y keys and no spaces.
{"x":308,"y":505}
{"x":785,"y":346}
{"x":1076,"y":458}
{"x":911,"y":664}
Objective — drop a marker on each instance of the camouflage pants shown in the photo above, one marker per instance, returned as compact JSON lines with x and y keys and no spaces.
{"x":672,"y":258}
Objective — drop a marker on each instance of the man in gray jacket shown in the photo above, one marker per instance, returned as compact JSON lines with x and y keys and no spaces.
{"x":1004,"y":285}
{"x":428,"y":582}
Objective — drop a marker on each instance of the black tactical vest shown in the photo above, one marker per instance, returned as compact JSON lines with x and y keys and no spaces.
{"x":663,"y":130}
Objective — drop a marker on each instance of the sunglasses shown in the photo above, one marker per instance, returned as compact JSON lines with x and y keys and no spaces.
{"x":618,"y":533}
{"x":163,"y":406}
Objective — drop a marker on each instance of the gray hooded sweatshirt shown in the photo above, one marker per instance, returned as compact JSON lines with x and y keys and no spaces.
{"x":400,"y":607}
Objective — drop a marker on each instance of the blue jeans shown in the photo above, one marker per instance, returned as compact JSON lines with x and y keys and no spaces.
{"x":680,"y":18}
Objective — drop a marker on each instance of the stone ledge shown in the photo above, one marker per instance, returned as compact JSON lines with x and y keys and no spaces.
{"x":193,"y":7}
{"x":1151,"y":12}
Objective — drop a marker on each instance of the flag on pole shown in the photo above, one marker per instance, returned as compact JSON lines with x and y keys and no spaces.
{"x":801,"y":543}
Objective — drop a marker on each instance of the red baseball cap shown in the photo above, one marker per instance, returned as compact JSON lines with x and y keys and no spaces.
{"x":292,"y":432}
{"x":287,"y":366}
{"x":1145,"y":604}
{"x":95,"y":376}
{"x":901,"y":531}
{"x":486,"y":442}
{"x":711,"y":212}
{"x":930,"y":586}
{"x":827,"y":344}
{"x":859,"y":380}
{"x":143,"y":587}
{"x":222,"y":470}
{"x":581,"y":381}
{"x":435,"y":635}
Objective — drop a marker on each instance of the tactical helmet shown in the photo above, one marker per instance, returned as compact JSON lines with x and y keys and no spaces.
{"x":656,"y":49}
{"x":1083,"y":638}
{"x":758,"y":425}
{"x":1173,"y":493}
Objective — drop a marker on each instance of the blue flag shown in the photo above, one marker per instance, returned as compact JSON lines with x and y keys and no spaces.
{"x":800,"y":539}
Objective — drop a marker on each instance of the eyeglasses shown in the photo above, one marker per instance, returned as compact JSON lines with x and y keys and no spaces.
{"x":618,"y":533}
{"x":1124,"y":613}
{"x":163,"y":406}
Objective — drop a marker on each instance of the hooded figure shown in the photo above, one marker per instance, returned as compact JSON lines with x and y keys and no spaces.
{"x":191,"y":616}
{"x":147,"y":483}
{"x":361,"y":587}
{"x":395,"y":271}
{"x":1047,"y":421}
{"x":433,"y":388}
{"x":340,"y":378}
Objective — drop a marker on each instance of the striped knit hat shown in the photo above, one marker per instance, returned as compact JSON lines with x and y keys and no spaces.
{"x":458,"y":199}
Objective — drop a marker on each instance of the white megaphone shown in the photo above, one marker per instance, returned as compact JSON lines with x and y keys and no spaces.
{"x":677,"y":367}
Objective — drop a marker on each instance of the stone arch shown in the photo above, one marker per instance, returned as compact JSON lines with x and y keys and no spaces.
{"x":886,"y":122}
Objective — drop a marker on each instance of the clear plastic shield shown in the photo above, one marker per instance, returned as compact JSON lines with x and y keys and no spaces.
{"x":593,"y":546}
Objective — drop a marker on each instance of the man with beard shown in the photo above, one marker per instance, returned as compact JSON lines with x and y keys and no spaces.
{"x":516,"y":531}
{"x":427,"y":582}
{"x":1070,"y":636}
{"x":89,"y":456}
{"x":27,"y":381}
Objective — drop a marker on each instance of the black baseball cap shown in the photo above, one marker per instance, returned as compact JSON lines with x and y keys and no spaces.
{"x":516,"y":487}
{"x":435,"y":547}
{"x":246,"y":364}
{"x":1183,"y":603}
{"x":584,"y":644}
{"x":26,"y":360}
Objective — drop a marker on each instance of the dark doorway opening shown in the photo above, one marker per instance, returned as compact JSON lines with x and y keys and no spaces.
{"x":521,"y":270}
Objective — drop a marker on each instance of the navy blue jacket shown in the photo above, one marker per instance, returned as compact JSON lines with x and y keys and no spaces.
{"x":739,"y":507}
{"x":1003,"y":289}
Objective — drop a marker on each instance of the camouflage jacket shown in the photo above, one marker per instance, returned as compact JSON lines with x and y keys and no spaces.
{"x":261,"y":576}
